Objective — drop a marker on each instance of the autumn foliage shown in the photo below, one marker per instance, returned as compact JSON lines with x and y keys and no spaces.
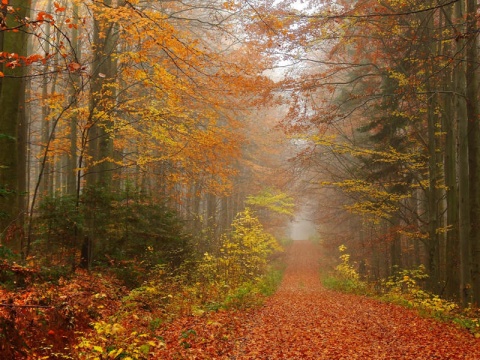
{"x":154,"y":153}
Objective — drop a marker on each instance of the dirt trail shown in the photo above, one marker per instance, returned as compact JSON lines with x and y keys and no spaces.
{"x":305,"y":321}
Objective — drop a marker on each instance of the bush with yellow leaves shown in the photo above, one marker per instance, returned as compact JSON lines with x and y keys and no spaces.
{"x":405,"y":287}
{"x":113,"y":341}
{"x":345,"y":277}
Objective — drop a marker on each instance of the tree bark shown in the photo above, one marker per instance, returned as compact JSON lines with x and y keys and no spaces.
{"x":473,"y":144}
{"x":13,"y":127}
{"x":463,"y":164}
{"x":72,"y":159}
{"x":433,"y":193}
{"x":102,"y":100}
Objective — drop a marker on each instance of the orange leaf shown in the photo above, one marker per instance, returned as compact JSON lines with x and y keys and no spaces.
{"x":58,"y":8}
{"x":42,"y":15}
{"x":74,"y":66}
{"x":2,"y":74}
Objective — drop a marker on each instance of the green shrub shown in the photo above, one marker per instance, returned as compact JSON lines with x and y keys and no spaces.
{"x":127,"y":233}
{"x":270,"y":282}
{"x":345,"y":278}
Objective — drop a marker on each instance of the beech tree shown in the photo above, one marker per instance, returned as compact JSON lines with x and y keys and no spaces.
{"x":158,"y":99}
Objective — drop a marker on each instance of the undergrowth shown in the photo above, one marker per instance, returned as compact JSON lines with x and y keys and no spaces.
{"x":151,"y":306}
{"x":237,"y":275}
{"x":403,"y":288}
{"x":90,"y":315}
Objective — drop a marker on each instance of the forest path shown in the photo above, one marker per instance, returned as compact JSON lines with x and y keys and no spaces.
{"x":303,"y":320}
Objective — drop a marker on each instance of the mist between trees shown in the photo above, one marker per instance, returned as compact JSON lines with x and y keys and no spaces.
{"x":134,"y":132}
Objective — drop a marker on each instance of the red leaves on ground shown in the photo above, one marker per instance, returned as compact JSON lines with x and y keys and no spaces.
{"x":305,"y":321}
{"x":213,"y":336}
{"x":301,"y":321}
{"x":44,"y":320}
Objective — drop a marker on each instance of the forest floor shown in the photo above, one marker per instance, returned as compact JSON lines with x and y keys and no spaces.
{"x":303,"y":320}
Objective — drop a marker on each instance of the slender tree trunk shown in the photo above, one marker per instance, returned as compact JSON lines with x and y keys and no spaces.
{"x":223,"y":222}
{"x":46,"y":183}
{"x":433,"y":194}
{"x":463,"y":164}
{"x":395,"y":246}
{"x":452,"y":261}
{"x":450,"y":164}
{"x":211,"y":213}
{"x":473,"y":143}
{"x":72,"y":159}
{"x":197,"y":225}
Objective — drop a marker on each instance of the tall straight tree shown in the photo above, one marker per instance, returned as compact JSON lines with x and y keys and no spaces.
{"x":72,"y":176}
{"x":102,"y":97}
{"x":473,"y":113}
{"x":13,"y":126}
{"x":434,"y":173}
{"x":463,"y":171}
{"x":452,"y":262}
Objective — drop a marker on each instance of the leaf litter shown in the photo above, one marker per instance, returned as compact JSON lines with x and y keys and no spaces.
{"x":303,"y":320}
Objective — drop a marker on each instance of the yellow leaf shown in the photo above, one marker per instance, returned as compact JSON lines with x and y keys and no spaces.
{"x":115,"y":353}
{"x":98,"y":349}
{"x":117,"y":328}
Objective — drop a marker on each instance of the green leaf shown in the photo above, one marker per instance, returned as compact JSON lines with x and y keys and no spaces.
{"x":5,"y":136}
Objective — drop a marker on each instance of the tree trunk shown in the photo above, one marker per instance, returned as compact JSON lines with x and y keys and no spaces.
{"x":72,"y":159}
{"x":473,"y":144}
{"x":46,"y":182}
{"x":102,"y":100}
{"x":450,"y":164}
{"x":463,"y":165}
{"x":433,"y":195}
{"x":13,"y":129}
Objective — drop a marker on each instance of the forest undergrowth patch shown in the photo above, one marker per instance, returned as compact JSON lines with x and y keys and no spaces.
{"x":304,"y":320}
{"x":147,"y":315}
{"x":91,"y":315}
{"x":406,"y":288}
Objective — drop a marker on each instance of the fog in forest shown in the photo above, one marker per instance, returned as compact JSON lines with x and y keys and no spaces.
{"x":302,"y":228}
